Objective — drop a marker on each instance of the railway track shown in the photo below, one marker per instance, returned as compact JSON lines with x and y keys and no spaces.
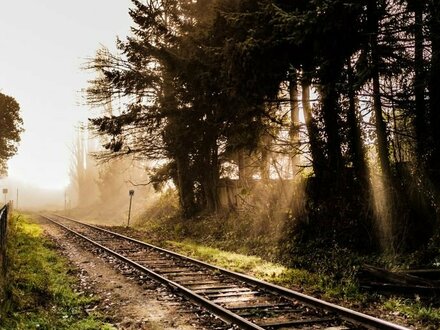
{"x":237,"y":299}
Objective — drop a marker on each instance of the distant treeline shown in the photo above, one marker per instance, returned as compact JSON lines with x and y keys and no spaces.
{"x":214,"y":85}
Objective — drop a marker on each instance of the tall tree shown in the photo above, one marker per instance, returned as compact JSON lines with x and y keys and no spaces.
{"x":83,"y":171}
{"x":200,"y":89}
{"x":357,"y":153}
{"x":373,"y":17}
{"x":421,"y":127}
{"x":434,"y":90}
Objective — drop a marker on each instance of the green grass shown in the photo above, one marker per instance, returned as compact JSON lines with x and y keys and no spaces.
{"x":415,"y":310}
{"x":39,"y":287}
{"x":319,"y":285}
{"x":313,"y":267}
{"x":268,"y":271}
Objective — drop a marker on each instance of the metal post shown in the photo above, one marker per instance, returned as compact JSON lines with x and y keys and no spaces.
{"x":131,"y":193}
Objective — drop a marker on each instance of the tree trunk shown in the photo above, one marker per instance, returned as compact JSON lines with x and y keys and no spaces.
{"x":244,"y":172}
{"x":434,"y":92}
{"x":330,"y":110}
{"x":209,"y":168}
{"x":355,"y":137}
{"x":419,"y":82}
{"x":185,"y":185}
{"x":294,"y":121}
{"x":318,"y":159}
{"x":381,"y":128}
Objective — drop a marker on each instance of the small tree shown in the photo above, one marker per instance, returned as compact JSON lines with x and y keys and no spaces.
{"x":11,"y":126}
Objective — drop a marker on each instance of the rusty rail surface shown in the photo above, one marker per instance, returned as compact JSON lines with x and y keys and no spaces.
{"x":234,"y":297}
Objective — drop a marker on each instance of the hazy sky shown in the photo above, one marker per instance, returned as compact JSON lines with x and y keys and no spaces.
{"x":43,"y":44}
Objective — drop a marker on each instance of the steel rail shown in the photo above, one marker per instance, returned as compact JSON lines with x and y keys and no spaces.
{"x":344,"y":313}
{"x":217,"y":310}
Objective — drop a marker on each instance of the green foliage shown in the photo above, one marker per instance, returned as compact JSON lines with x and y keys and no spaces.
{"x":165,"y":208}
{"x":203,"y":81}
{"x":428,"y":316}
{"x":251,"y":243}
{"x":314,"y":282}
{"x":11,"y":126}
{"x":253,"y":265}
{"x":39,"y":290}
{"x":425,"y":257}
{"x":320,"y":268}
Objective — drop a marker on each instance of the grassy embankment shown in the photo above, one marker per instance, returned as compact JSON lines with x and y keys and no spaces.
{"x":39,"y":290}
{"x":423,"y":314}
{"x":254,"y":246}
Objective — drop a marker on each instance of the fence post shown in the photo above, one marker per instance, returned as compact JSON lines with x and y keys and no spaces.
{"x":4,"y":215}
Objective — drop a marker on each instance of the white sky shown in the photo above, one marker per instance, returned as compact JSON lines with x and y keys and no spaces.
{"x":43,"y":44}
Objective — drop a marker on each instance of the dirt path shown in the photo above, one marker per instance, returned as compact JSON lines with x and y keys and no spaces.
{"x":128,"y":303}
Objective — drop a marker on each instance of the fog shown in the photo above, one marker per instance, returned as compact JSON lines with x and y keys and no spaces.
{"x":106,"y":196}
{"x":99,"y":191}
{"x":31,"y":197}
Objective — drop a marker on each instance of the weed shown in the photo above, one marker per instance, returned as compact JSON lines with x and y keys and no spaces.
{"x":415,"y":310}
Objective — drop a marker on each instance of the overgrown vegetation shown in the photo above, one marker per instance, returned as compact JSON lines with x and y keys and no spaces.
{"x":426,"y":314}
{"x":264,"y":233}
{"x":215,"y":91}
{"x":39,"y":290}
{"x":327,"y":273}
{"x":319,"y":283}
{"x":232,"y":241}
